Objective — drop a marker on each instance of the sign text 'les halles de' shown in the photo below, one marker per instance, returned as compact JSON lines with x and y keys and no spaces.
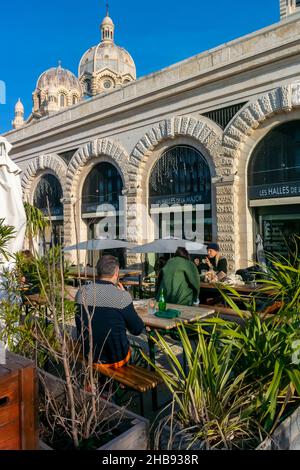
{"x":274,"y":190}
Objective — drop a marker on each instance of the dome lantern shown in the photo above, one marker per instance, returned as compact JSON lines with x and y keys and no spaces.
{"x":107,"y":28}
{"x":105,"y":66}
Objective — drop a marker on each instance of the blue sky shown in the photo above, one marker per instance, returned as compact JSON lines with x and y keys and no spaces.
{"x":34,"y":35}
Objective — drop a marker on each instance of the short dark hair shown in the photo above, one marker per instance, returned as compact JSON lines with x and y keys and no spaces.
{"x":107,"y":265}
{"x":182,"y":252}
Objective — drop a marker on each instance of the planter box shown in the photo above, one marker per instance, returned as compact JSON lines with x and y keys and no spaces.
{"x":180,"y":440}
{"x":286,"y":436}
{"x":135,"y":438}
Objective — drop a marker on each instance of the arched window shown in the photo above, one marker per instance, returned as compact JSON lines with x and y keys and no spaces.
{"x":276,"y":159}
{"x":47,"y":198}
{"x":274,"y":176}
{"x":62,"y":100}
{"x":86,"y":87}
{"x":182,"y":176}
{"x":103,"y":185}
{"x":49,"y":192}
{"x":74,"y":99}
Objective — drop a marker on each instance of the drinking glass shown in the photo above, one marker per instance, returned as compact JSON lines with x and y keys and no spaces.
{"x":151,"y":306}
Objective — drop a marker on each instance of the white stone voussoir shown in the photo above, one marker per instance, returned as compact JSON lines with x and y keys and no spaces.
{"x":39,"y":165}
{"x":202,"y":129}
{"x":279,"y":100}
{"x":95,"y":149}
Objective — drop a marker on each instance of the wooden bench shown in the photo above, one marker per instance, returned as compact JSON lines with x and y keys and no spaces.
{"x":135,"y":378}
{"x":229,"y":312}
{"x":132,"y":377}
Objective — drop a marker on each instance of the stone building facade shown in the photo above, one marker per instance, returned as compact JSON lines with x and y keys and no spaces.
{"x":221,"y":104}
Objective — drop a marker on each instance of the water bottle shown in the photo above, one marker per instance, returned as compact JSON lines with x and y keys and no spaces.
{"x":162,"y":305}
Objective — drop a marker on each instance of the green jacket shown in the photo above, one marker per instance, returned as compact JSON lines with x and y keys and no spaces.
{"x":180,"y":281}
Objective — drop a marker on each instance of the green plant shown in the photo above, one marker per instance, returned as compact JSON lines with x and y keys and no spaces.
{"x":266,"y":351}
{"x":36,"y":223}
{"x":45,"y":271}
{"x":7,"y":233}
{"x":211,"y":403}
{"x":267,"y":344}
{"x":282,"y":277}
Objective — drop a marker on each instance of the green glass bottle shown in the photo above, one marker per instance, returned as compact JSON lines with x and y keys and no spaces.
{"x":162,"y":305}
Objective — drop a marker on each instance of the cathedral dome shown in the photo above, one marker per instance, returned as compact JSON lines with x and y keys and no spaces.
{"x":106,"y":65}
{"x":107,"y":56}
{"x":57,"y":77}
{"x":56,"y":89}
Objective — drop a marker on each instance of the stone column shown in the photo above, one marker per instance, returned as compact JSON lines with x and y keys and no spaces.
{"x":94,"y":88}
{"x":227,"y":219}
{"x":70,"y":228}
{"x":134,"y":222}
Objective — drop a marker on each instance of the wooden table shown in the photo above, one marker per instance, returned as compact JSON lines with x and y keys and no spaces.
{"x":91,"y":274}
{"x":245,"y":291}
{"x":188,"y":315}
{"x":123,"y":275}
{"x":41,"y":300}
{"x":167,"y":325}
{"x":221,"y":285}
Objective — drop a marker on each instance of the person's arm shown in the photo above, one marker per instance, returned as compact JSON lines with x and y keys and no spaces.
{"x":222,"y":265}
{"x":134,"y":323}
{"x":193,"y":277}
{"x":203,"y":267}
{"x":158,"y":284}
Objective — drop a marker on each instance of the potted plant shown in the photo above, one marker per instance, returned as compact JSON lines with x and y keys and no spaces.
{"x":73,"y":411}
{"x":242,"y":386}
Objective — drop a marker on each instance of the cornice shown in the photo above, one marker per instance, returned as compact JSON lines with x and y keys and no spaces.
{"x":176,"y":79}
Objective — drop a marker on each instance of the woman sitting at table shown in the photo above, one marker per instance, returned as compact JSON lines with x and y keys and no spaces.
{"x":180,"y":279}
{"x":214,"y":261}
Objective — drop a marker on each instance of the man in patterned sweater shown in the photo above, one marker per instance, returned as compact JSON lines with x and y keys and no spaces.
{"x":111,"y":311}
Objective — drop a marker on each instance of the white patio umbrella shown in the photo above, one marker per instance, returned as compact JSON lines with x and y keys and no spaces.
{"x":170,"y":245}
{"x":99,"y":244}
{"x":11,"y":207}
{"x":11,"y":210}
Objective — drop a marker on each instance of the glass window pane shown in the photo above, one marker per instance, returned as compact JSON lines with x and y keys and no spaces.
{"x":49,"y":191}
{"x":102,"y":185}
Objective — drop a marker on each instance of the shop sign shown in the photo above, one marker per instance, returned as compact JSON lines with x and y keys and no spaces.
{"x":185,"y":199}
{"x":270,"y":191}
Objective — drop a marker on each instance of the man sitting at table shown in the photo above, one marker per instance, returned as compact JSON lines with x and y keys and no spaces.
{"x":111,"y":311}
{"x":180,"y":279}
{"x":214,"y":261}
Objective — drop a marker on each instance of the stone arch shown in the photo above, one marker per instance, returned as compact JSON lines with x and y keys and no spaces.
{"x":249,"y":125}
{"x":202,"y":129}
{"x":111,"y":151}
{"x":40,"y":165}
{"x":181,"y":129}
{"x":87,"y":152}
{"x":280,"y":100}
